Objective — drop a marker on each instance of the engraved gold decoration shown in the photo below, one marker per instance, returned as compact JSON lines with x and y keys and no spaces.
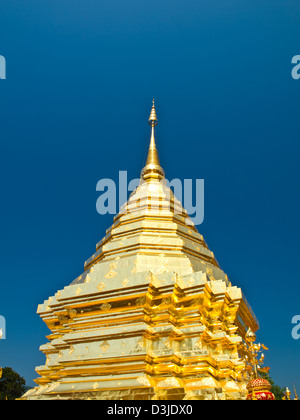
{"x":159,"y":316}
{"x":105,"y":307}
{"x":111,"y":273}
{"x":101,"y":286}
{"x":104,"y":346}
{"x":125,"y":282}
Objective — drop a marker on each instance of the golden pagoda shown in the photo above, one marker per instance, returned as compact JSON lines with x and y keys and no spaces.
{"x":153,"y":316}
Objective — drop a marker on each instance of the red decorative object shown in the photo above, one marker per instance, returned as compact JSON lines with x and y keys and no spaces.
{"x":259,"y":389}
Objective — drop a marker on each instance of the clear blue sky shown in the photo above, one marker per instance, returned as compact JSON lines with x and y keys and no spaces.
{"x":81,"y":76}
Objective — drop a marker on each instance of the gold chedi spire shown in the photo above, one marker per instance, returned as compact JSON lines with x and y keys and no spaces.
{"x":152,"y":316}
{"x":296,"y":396}
{"x":152,"y":170}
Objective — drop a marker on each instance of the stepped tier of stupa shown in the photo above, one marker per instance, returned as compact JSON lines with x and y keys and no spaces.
{"x":153,"y":316}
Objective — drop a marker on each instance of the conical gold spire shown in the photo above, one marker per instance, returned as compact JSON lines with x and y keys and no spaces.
{"x":152,"y":170}
{"x":296,"y":396}
{"x":153,"y":117}
{"x":137,"y":324}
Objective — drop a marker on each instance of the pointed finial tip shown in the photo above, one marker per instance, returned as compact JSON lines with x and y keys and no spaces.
{"x":152,"y":170}
{"x":153,"y":117}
